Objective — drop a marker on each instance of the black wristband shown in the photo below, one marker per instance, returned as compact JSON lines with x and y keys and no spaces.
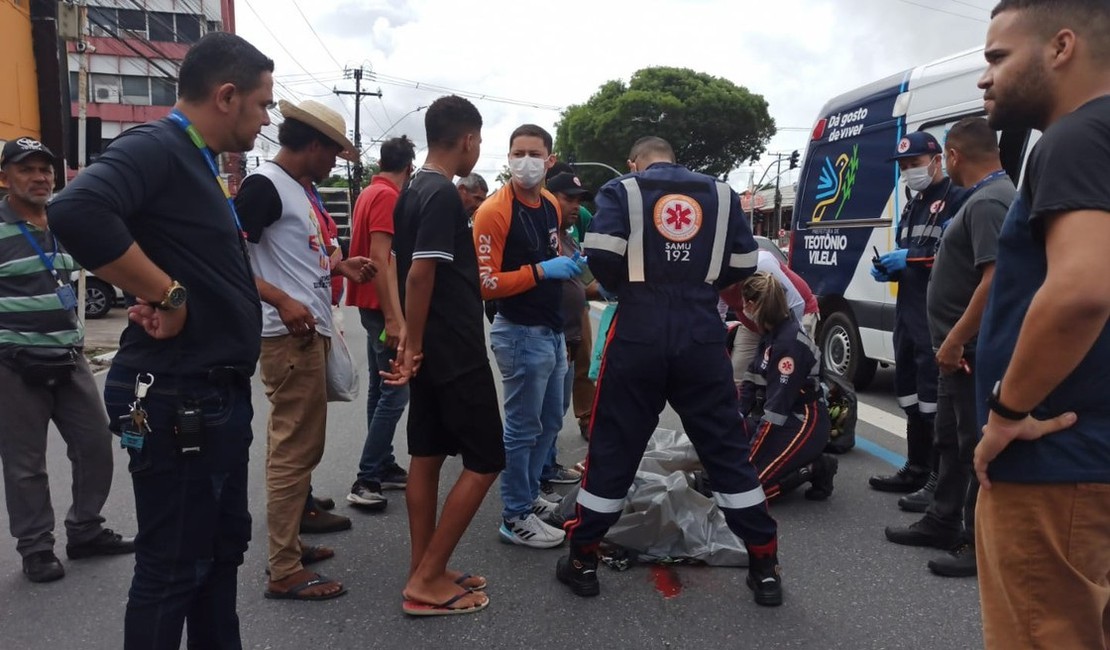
{"x":995,"y":405}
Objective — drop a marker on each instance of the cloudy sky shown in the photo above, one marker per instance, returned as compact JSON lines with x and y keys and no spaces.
{"x":521,"y":61}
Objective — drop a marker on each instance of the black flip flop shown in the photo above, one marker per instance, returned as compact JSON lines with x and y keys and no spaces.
{"x":295,"y":592}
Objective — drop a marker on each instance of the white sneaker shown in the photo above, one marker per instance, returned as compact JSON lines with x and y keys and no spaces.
{"x":544,"y":508}
{"x":530,"y":531}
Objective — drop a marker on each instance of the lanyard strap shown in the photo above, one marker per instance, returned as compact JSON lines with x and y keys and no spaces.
{"x":990,"y":177}
{"x":178,"y":118}
{"x":48,"y":262}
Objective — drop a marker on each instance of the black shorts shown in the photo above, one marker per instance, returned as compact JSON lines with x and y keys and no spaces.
{"x":459,"y":416}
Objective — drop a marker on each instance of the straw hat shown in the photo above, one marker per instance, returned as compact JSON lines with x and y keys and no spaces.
{"x":323,"y":119}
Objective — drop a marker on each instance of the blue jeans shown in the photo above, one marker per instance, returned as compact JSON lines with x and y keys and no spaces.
{"x":548,"y":472}
{"x":384,"y":403}
{"x":194,"y":525}
{"x":533,"y":364}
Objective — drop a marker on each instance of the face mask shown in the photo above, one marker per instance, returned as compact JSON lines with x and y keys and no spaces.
{"x":527,"y":171}
{"x":918,"y":179}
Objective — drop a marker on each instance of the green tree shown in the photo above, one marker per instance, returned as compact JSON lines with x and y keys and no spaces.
{"x":504,"y":176}
{"x":713,"y":124}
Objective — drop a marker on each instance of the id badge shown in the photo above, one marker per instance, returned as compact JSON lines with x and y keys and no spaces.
{"x":131,"y":439}
{"x":68,"y":297}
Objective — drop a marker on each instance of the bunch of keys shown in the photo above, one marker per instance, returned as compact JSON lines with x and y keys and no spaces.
{"x":135,"y":426}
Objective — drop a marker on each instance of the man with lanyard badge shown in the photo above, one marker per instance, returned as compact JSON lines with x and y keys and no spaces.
{"x":153,"y":216}
{"x":936,"y":199}
{"x":45,"y":377}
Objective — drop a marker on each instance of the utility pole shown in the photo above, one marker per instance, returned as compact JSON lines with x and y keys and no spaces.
{"x":778,"y":200}
{"x":356,"y":186}
{"x":82,"y":87}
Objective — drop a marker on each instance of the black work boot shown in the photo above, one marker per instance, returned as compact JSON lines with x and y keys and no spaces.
{"x":924,"y":532}
{"x":821,"y":484}
{"x":764,"y":578}
{"x":919,"y":501}
{"x":578,"y":570}
{"x":908,"y":479}
{"x":43,"y":566}
{"x":959,"y":563}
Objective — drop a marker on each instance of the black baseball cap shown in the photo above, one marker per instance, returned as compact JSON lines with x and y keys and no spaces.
{"x":567,"y":183}
{"x":916,"y":144}
{"x":20,"y":148}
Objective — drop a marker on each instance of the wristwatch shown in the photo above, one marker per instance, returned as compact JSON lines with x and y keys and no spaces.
{"x":994,"y":404}
{"x":174,"y":298}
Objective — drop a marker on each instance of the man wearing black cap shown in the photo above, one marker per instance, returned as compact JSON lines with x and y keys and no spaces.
{"x":918,"y":233}
{"x":569,"y":194}
{"x":45,"y":377}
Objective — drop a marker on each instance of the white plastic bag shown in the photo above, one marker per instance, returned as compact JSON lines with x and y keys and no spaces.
{"x":342,"y":374}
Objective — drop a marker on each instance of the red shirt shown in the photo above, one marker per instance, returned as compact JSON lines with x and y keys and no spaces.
{"x":373,"y":213}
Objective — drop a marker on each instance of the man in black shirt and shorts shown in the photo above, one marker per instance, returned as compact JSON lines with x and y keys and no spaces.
{"x":153,"y":216}
{"x":453,"y":406}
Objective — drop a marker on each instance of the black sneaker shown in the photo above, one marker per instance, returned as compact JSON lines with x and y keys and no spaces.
{"x":394,"y":477}
{"x":367,"y":495}
{"x":908,"y":479}
{"x":924,"y":532}
{"x":919,"y":501}
{"x":106,"y":542}
{"x":821,"y":484}
{"x":765,"y":580}
{"x":579,"y":572}
{"x":43,"y":566}
{"x":960,"y":563}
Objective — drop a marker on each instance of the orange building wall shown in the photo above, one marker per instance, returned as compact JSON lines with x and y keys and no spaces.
{"x":19,"y":102}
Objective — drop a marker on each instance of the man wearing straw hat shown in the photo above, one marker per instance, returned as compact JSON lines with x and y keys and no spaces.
{"x":293,"y":273}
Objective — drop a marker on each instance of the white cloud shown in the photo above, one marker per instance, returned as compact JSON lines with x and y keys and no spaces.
{"x":796,"y":53}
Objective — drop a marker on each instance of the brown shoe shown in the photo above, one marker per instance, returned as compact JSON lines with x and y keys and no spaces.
{"x":316,"y":521}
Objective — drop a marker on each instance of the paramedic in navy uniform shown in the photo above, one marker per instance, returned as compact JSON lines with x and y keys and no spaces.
{"x":665,"y":239}
{"x":935,"y":200}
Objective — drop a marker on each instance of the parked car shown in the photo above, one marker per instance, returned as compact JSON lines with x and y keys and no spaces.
{"x":100,"y":296}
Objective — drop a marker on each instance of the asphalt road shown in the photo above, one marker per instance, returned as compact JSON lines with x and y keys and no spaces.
{"x":846,"y":587}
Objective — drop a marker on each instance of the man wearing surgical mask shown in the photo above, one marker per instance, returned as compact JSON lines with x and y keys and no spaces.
{"x":516,"y":235}
{"x":935,"y":199}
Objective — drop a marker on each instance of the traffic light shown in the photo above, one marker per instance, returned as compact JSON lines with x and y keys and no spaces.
{"x":794,"y":159}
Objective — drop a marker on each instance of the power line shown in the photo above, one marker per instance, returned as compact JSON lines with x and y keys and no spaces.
{"x":943,"y":11}
{"x":286,"y":50}
{"x":171,"y":76}
{"x":420,"y":85}
{"x":313,"y":30}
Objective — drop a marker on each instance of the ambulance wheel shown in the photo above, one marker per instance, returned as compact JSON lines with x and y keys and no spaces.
{"x":843,"y":352}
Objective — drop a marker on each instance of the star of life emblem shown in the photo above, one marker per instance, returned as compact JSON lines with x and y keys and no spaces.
{"x":677,"y":217}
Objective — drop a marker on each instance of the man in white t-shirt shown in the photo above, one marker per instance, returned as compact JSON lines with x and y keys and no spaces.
{"x":293,"y":273}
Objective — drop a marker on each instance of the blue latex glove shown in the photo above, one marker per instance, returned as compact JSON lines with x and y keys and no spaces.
{"x":879,"y":275}
{"x":894,"y":261}
{"x":560,"y":268}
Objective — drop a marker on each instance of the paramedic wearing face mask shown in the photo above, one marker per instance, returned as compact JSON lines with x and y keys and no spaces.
{"x":516,"y":235}
{"x":935,"y":200}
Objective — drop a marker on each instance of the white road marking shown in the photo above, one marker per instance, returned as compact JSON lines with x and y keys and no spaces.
{"x":889,"y":422}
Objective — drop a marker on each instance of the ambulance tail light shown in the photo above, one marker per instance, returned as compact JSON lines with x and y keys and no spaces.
{"x":819,"y":129}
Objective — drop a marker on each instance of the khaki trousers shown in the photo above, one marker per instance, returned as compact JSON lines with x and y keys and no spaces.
{"x":294,"y":371}
{"x":583,"y":389}
{"x":1043,"y":552}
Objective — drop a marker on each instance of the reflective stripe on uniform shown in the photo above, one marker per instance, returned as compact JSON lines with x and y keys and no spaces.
{"x":906,"y":401}
{"x":635,"y":231}
{"x":717,"y":256}
{"x":776,"y":419}
{"x":610,"y":243}
{"x":599,"y":504}
{"x":739,"y":500}
{"x":927,"y":407}
{"x":744,"y":260}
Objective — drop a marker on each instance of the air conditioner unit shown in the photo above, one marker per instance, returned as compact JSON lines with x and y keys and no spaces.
{"x":105,"y":94}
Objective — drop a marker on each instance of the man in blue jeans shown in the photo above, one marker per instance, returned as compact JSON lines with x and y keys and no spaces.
{"x":516,"y":236}
{"x":379,"y":309}
{"x":153,"y":217}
